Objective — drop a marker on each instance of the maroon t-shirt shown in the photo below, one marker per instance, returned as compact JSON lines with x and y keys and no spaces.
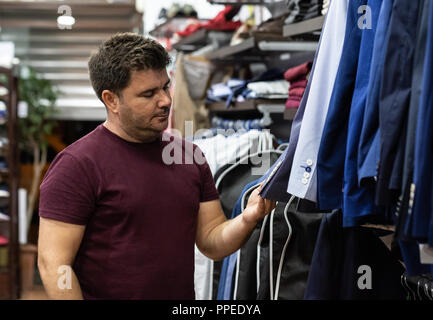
{"x":140,"y":214}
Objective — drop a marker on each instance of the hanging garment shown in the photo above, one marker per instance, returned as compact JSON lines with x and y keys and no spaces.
{"x":332,"y":149}
{"x":275,"y":185}
{"x":246,"y":284}
{"x":222,"y":152}
{"x":221,"y":149}
{"x":230,"y":184}
{"x":286,"y":251}
{"x":358,"y":201}
{"x":302,"y":181}
{"x":418,"y":66}
{"x":394,"y":99}
{"x":184,"y":108}
{"x":420,"y":217}
{"x":197,"y":72}
{"x":352,"y":264}
{"x":369,"y":147}
{"x":225,"y":290}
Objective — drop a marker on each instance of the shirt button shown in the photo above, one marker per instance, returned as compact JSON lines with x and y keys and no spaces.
{"x":306,"y":175}
{"x":309,"y":162}
{"x":304,"y":181}
{"x":308,"y":169}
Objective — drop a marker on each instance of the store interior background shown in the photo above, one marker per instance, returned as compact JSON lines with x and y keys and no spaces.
{"x":60,"y":54}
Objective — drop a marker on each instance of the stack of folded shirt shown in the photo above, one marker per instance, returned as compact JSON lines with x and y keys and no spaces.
{"x":297,"y":77}
{"x":221,"y":22}
{"x":237,"y":90}
{"x":226,"y":91}
{"x":276,"y":89}
{"x":303,"y":10}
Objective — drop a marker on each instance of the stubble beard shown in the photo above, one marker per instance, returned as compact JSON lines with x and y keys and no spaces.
{"x":136,"y":128}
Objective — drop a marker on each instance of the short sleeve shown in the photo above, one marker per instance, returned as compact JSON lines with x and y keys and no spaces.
{"x":67,"y":193}
{"x":208,"y":189}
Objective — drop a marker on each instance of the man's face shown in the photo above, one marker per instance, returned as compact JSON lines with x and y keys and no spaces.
{"x":145,"y":104}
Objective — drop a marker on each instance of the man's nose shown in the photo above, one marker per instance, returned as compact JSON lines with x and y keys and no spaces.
{"x":164,"y":99}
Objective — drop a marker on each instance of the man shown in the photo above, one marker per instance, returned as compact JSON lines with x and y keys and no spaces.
{"x":123,"y":222}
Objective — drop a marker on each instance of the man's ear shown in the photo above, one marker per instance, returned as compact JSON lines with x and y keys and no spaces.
{"x":111,"y":101}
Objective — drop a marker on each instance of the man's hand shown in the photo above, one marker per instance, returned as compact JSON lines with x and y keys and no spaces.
{"x":257,"y":207}
{"x":218,"y":237}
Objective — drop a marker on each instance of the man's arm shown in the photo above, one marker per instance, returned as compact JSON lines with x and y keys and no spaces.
{"x":218,"y":237}
{"x":57,"y":246}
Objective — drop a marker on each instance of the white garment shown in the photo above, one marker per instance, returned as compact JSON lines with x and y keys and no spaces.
{"x":203,"y":276}
{"x":268,"y":89}
{"x":303,"y":181}
{"x":220,"y":150}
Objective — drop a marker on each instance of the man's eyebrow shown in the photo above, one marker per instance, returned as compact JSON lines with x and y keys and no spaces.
{"x":155,"y":88}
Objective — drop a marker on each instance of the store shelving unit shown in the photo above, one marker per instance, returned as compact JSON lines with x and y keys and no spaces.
{"x":202,"y":38}
{"x":170,"y":26}
{"x":9,"y":270}
{"x":301,"y":27}
{"x":276,"y":105}
{"x":261,"y":45}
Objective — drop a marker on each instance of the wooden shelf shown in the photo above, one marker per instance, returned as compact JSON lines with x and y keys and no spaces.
{"x":262,"y":45}
{"x":303,"y":26}
{"x":245,"y":2}
{"x":196,"y":39}
{"x":170,"y":26}
{"x":248,"y":105}
{"x":202,"y":38}
{"x":237,"y":3}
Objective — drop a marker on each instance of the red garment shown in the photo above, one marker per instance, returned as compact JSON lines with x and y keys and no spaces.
{"x":298,"y":84}
{"x":299,"y":72}
{"x":292,"y":103}
{"x":190,"y":29}
{"x":220,"y":22}
{"x":295,"y":98}
{"x":296,"y":92}
{"x":140,"y":213}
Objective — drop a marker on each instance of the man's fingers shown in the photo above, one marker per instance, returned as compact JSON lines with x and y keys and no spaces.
{"x":260,"y":186}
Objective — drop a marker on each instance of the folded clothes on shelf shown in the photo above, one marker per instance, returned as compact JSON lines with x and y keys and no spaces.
{"x":221,"y":22}
{"x":276,"y":89}
{"x":272,"y":26}
{"x":297,"y":77}
{"x":300,"y":10}
{"x":236,"y":90}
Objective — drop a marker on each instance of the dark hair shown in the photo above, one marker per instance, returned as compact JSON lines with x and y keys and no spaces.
{"x":110,"y":67}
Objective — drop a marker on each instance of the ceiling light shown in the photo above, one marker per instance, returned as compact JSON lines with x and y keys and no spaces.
{"x":66,"y":20}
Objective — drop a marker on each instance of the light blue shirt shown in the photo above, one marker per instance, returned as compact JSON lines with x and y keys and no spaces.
{"x":303,"y":180}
